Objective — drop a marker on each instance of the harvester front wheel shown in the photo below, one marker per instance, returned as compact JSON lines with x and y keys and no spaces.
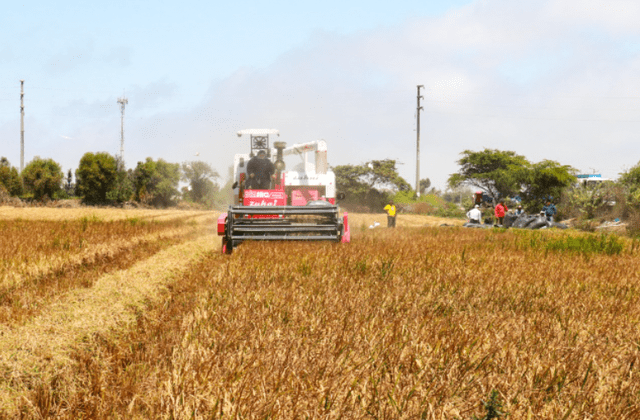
{"x":226,"y":246}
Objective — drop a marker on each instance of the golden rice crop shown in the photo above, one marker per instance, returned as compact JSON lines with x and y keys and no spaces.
{"x":105,"y":214}
{"x":42,"y":258}
{"x":405,"y":323}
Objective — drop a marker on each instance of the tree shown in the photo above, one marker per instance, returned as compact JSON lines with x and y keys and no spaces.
{"x":123,"y":189}
{"x":369,"y":184}
{"x":494,"y":171}
{"x":462,"y":195}
{"x":631,"y":177}
{"x":201,"y":178}
{"x":424,"y":185}
{"x":630,"y":180}
{"x":95,"y":177}
{"x":157,"y":182}
{"x":544,"y":181}
{"x":42,"y":178}
{"x":9,"y":178}
{"x":69,"y":187}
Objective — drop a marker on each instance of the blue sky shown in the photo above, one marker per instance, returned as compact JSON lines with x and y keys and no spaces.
{"x":550,"y":79}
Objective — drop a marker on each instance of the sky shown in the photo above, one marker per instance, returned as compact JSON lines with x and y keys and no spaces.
{"x":547,"y":79}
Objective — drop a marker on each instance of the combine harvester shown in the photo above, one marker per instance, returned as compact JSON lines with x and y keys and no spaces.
{"x":294,"y":205}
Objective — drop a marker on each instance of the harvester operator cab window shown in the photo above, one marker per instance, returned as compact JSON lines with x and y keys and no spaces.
{"x":260,"y":171}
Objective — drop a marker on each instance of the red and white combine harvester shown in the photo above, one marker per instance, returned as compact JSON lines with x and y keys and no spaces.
{"x":274,"y":204}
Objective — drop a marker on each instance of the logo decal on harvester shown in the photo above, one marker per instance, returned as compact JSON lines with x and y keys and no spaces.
{"x":264,"y":198}
{"x":264,"y":194}
{"x":261,"y":203}
{"x":305,"y":176}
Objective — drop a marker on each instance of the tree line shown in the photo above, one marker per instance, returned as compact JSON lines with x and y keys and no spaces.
{"x":499,"y":174}
{"x":102,"y":179}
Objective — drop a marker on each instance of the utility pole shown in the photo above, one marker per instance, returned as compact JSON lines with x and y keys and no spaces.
{"x":21,"y":125}
{"x":122,"y":101}
{"x":418,"y":141}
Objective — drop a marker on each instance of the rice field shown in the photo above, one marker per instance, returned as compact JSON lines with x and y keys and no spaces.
{"x":423,"y":321}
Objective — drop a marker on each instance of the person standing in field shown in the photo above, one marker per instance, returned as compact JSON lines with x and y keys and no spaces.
{"x":391,"y":214}
{"x":549,"y":211}
{"x":500,"y":211}
{"x":475,"y":215}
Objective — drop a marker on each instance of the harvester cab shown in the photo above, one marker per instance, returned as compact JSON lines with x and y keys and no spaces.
{"x":272,"y":203}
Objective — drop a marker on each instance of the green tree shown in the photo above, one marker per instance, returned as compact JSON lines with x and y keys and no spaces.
{"x":9,"y":178}
{"x":156,"y":182}
{"x":95,"y":177}
{"x":495,"y":171}
{"x":370,"y":184}
{"x":630,"y":180}
{"x":544,"y":181}
{"x":123,"y":188}
{"x":42,"y":178}
{"x":201,"y":178}
{"x":631,"y":177}
{"x":424,"y":185}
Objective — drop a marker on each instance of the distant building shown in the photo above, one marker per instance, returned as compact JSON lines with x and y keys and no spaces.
{"x":591,"y":180}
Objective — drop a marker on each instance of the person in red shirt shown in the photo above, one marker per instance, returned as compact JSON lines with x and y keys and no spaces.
{"x":500,"y":211}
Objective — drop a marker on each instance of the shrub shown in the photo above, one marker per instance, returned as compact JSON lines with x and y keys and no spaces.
{"x":42,"y":178}
{"x":587,"y":244}
{"x":96,"y":176}
{"x":9,"y":178}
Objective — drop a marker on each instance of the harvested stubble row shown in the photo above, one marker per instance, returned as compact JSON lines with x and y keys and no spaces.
{"x":410,"y":323}
{"x":40,"y":258}
{"x":92,"y":213}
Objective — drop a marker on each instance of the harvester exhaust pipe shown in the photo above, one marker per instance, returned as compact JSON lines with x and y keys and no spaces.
{"x":279,"y":145}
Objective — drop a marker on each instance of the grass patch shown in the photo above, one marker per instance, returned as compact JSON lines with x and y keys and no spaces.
{"x":587,"y":244}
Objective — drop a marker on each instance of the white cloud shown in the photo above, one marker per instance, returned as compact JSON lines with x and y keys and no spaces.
{"x":121,"y":56}
{"x":539,"y":78}
{"x":70,"y":58}
{"x":359,"y":93}
{"x":615,"y":16}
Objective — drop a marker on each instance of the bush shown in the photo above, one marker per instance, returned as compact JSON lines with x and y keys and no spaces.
{"x":95,"y":177}
{"x":42,"y":178}
{"x":429,"y":204}
{"x":450,"y":210}
{"x":591,"y":202}
{"x":123,"y":189}
{"x":602,"y":244}
{"x":156,"y":183}
{"x":9,"y":178}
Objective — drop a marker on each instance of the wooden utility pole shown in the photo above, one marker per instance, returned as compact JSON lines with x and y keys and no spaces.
{"x":418,"y":142}
{"x":21,"y":125}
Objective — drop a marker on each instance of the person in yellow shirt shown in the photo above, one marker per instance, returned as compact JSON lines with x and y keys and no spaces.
{"x":391,"y":214}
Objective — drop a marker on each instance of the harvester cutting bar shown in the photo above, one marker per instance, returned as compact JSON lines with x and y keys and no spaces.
{"x":263,"y":228}
{"x":281,"y":223}
{"x":283,"y":238}
{"x":285,"y":210}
